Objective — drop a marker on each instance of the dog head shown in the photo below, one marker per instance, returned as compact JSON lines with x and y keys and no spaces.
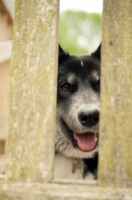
{"x":78,"y":104}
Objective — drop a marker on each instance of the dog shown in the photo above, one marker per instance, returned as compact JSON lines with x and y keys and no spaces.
{"x":78,"y":107}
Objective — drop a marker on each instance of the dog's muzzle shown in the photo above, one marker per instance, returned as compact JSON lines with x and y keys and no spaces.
{"x":87,"y":141}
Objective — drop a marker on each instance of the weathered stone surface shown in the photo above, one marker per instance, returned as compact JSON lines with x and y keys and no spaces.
{"x":30,"y":147}
{"x":116,"y":95}
{"x":61,"y":191}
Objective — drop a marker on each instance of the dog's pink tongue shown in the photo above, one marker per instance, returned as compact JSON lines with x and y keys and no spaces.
{"x":85,"y":141}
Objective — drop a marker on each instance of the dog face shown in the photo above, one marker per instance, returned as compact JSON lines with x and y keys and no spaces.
{"x":78,"y":105}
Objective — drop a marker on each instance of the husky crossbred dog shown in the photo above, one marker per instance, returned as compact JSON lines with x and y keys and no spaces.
{"x":76,"y":143}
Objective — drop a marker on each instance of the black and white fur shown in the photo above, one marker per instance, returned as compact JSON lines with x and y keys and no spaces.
{"x":78,"y":108}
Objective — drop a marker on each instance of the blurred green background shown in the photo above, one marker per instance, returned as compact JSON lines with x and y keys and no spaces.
{"x":80,"y":32}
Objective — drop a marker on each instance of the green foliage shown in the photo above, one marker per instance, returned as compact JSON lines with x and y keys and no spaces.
{"x":79,"y":32}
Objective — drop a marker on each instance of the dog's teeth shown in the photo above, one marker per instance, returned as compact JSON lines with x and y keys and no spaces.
{"x":96,"y":139}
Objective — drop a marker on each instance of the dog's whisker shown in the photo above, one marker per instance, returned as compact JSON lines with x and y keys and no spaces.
{"x":66,"y":146}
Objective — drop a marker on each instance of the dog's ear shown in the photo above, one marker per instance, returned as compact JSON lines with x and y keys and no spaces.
{"x":97,"y":53}
{"x":62,"y":52}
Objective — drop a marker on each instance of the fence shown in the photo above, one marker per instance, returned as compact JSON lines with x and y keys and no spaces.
{"x":29,"y":160}
{"x":6,"y":25}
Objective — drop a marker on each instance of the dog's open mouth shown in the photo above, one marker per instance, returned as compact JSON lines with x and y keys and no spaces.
{"x":86,"y":141}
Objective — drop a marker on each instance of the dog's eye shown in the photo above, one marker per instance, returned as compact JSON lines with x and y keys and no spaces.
{"x":97,"y":85}
{"x":65,"y":86}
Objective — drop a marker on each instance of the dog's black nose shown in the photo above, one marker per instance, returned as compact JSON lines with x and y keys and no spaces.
{"x":89,"y":118}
